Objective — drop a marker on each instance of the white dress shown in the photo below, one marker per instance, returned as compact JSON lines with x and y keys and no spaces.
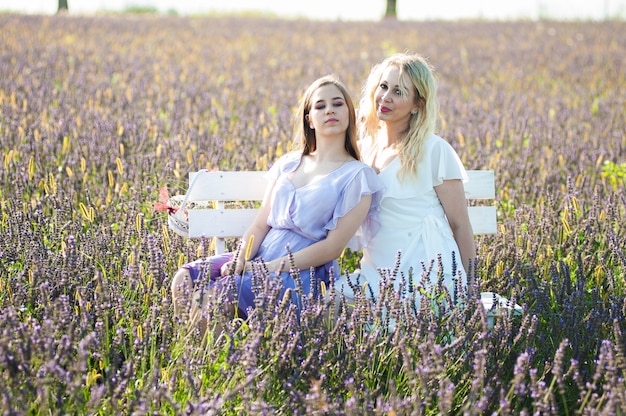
{"x":413,"y":222}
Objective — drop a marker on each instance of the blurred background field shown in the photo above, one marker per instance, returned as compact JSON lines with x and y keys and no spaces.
{"x":370,"y":10}
{"x":98,"y":112}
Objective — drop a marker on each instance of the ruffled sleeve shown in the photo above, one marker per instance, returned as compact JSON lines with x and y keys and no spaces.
{"x":445,"y":163}
{"x":286,"y":163}
{"x":361,"y":182}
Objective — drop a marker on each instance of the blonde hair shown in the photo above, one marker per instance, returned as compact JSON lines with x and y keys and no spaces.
{"x":422,"y":124}
{"x":304,"y":136}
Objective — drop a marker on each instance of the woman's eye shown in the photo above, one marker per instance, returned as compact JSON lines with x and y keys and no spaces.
{"x":382,"y":86}
{"x":398,"y":92}
{"x":320,"y":106}
{"x":338,"y":104}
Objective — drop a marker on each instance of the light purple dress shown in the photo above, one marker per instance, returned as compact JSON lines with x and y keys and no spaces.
{"x":300,"y":217}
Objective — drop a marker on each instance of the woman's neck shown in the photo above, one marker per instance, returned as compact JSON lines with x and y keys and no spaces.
{"x":330,"y":149}
{"x":390,"y":134}
{"x":329,"y":156}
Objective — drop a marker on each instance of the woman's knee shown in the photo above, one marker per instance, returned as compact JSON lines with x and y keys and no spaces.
{"x":181,"y":282}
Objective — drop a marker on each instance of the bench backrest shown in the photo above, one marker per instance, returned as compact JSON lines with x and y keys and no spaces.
{"x":222,"y":222}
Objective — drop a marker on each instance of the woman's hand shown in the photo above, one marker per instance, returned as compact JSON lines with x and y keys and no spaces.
{"x":226,"y":268}
{"x":277,"y":266}
{"x":231,"y":268}
{"x":237,"y":269}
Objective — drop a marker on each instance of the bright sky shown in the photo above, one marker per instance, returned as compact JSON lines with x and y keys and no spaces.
{"x":353,"y":9}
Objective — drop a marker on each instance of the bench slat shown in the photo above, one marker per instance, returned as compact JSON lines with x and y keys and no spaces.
{"x":228,"y":186}
{"x":227,"y":223}
{"x":481,"y":184}
{"x":483,"y":219}
{"x":250,"y":185}
{"x":221,"y":223}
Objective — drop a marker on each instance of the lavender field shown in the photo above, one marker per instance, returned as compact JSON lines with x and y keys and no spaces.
{"x":98,"y":113}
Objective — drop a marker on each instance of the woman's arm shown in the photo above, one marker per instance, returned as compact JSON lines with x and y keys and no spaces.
{"x":451,"y":194}
{"x":332,"y":246}
{"x":258,"y":229}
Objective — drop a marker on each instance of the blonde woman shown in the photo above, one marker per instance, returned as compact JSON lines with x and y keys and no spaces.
{"x":423,"y":211}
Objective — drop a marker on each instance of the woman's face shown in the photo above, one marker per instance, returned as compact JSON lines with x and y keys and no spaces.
{"x":393,"y":103}
{"x":329,"y":113}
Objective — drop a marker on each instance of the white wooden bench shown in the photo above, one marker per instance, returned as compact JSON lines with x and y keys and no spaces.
{"x":227,"y":218}
{"x":224,"y":222}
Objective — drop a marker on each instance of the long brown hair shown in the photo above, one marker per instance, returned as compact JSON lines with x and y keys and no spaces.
{"x":304,"y":136}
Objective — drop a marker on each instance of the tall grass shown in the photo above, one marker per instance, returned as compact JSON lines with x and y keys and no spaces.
{"x":96,"y":113}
